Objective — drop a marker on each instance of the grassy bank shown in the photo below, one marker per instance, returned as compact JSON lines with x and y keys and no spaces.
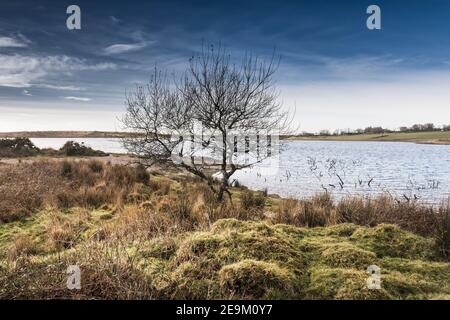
{"x":163,"y":235}
{"x":433,"y":137}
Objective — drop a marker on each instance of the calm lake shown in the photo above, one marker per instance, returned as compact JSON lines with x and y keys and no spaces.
{"x":103,"y":144}
{"x":406,"y":170}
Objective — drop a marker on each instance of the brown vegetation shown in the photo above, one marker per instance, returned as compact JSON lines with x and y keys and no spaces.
{"x":28,"y":187}
{"x":23,"y":147}
{"x":166,"y":236}
{"x":321,"y":210}
{"x":188,"y":204}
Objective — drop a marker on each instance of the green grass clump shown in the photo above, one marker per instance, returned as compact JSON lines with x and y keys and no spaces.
{"x":240,"y":260}
{"x":256,"y":260}
{"x":390,"y":240}
{"x":344,"y":255}
{"x":342,"y":284}
{"x":160,"y":248}
{"x":211,"y":264}
{"x":342,"y":230}
{"x":257,"y":279}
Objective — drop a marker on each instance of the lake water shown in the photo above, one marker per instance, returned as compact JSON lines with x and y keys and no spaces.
{"x":343,"y":168}
{"x":103,"y":144}
{"x":415,"y":171}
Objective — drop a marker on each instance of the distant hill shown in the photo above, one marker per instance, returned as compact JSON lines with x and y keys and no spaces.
{"x":64,"y":134}
{"x":433,"y":137}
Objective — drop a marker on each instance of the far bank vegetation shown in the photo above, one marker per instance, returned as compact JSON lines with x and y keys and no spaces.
{"x":24,"y":147}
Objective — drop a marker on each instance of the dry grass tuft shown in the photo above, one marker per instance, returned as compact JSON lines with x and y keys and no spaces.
{"x":22,"y":245}
{"x":29,"y":187}
{"x":320,"y":210}
{"x":315,"y":212}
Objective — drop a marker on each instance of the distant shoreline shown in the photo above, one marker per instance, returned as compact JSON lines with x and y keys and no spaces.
{"x":430,"y":137}
{"x":65,"y":134}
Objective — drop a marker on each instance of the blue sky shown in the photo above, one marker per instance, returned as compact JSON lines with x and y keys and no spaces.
{"x":334,"y":72}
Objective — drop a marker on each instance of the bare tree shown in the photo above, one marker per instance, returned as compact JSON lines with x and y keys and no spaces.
{"x":218,"y":113}
{"x":154,"y":113}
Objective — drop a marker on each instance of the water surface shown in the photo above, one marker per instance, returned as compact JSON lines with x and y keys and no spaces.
{"x":406,"y":170}
{"x":112,"y":145}
{"x":304,"y":168}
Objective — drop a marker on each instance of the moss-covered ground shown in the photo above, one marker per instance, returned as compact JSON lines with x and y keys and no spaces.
{"x":249,"y":260}
{"x":167,"y":238}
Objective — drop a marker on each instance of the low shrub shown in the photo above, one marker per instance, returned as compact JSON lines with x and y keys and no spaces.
{"x":142,"y":174}
{"x":95,"y":166}
{"x":252,"y":201}
{"x":17,"y":147}
{"x":72,"y":148}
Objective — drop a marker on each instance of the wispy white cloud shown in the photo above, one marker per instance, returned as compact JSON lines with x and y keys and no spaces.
{"x":21,"y":71}
{"x":114,"y":19}
{"x":361,"y":67}
{"x":56,"y":87}
{"x":122,"y":48}
{"x":8,"y":42}
{"x":78,"y":99}
{"x":312,"y":67}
